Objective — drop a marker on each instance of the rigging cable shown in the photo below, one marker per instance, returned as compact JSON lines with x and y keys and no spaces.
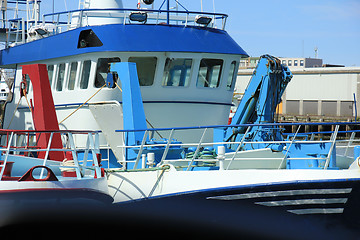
{"x":82,"y":104}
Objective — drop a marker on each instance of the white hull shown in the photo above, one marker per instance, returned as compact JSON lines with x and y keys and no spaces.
{"x":95,"y":184}
{"x":128,"y":186}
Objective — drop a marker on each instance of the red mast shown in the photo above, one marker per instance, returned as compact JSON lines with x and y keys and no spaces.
{"x":44,"y":115}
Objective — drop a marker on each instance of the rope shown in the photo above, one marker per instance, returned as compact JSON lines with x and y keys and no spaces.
{"x":118,"y":86}
{"x":164,"y":167}
{"x":82,"y":104}
{"x":27,"y":101}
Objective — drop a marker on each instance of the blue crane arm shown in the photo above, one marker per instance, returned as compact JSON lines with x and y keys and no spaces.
{"x":262,"y":95}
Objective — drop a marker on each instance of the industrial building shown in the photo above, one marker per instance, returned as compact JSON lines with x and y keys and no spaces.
{"x":315,"y":91}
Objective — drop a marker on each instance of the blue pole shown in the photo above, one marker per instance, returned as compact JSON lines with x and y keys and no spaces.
{"x":355,"y":107}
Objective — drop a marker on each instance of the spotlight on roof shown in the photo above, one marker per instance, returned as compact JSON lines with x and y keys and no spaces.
{"x":138,"y":17}
{"x":147,"y":2}
{"x":203,"y":20}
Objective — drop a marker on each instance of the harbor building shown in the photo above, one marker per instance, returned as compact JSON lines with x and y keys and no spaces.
{"x":251,"y":62}
{"x":316,"y":90}
{"x":302,"y":62}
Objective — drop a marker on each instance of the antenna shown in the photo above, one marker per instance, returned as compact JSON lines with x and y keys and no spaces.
{"x":316,"y":52}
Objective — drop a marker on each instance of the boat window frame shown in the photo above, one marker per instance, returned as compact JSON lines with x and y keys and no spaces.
{"x":154,"y":69}
{"x":221,"y":71}
{"x":76,"y":75}
{"x":188,"y":77}
{"x":82,"y":74}
{"x":233,"y":75}
{"x":53,"y":72}
{"x":58,"y":75}
{"x":97,"y":68}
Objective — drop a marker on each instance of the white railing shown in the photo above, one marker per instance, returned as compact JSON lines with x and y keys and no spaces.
{"x":23,"y":143}
{"x":145,"y":149}
{"x":67,"y":20}
{"x":55,"y":23}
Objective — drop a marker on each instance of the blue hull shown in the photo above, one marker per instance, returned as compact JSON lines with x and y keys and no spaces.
{"x":289,"y":207}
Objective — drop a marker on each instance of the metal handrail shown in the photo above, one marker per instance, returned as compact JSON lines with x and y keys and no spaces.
{"x":171,"y":15}
{"x":222,"y":15}
{"x":92,"y":145}
{"x":246,"y":125}
{"x":199,"y":144}
{"x":64,"y":19}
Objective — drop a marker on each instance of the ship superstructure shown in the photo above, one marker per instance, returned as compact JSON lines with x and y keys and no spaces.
{"x":186,"y":66}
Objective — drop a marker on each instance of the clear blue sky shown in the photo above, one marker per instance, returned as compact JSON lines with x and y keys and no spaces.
{"x":281,"y":28}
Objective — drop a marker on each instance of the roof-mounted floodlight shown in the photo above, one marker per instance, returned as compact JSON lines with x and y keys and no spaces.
{"x":138,"y":17}
{"x":203,"y":20}
{"x":147,"y":2}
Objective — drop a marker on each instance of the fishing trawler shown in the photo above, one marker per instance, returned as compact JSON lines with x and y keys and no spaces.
{"x":143,"y":76}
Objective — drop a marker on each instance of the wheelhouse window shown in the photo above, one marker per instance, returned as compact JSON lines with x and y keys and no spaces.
{"x":146,"y":67}
{"x":50,"y":69}
{"x":102,"y":69}
{"x":72,"y":77}
{"x":177,"y":72}
{"x":232,"y":76}
{"x":85,"y":74}
{"x":209,"y":73}
{"x":60,"y":77}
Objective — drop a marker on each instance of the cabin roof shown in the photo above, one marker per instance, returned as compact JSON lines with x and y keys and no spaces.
{"x":124,"y":38}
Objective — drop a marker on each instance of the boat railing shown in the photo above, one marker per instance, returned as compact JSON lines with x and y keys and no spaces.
{"x":80,"y":161}
{"x":68,"y":20}
{"x":207,"y":153}
{"x":55,"y":23}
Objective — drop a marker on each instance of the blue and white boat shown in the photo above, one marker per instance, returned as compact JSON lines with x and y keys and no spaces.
{"x":186,"y":65}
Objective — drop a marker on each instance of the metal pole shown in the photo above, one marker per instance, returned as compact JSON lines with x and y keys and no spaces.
{"x":46,"y":154}
{"x":238,"y":148}
{"x":333,"y":136}
{"x":197,"y":150}
{"x":168,"y":14}
{"x":288,"y":148}
{"x":355,"y":107}
{"x":167,"y":147}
